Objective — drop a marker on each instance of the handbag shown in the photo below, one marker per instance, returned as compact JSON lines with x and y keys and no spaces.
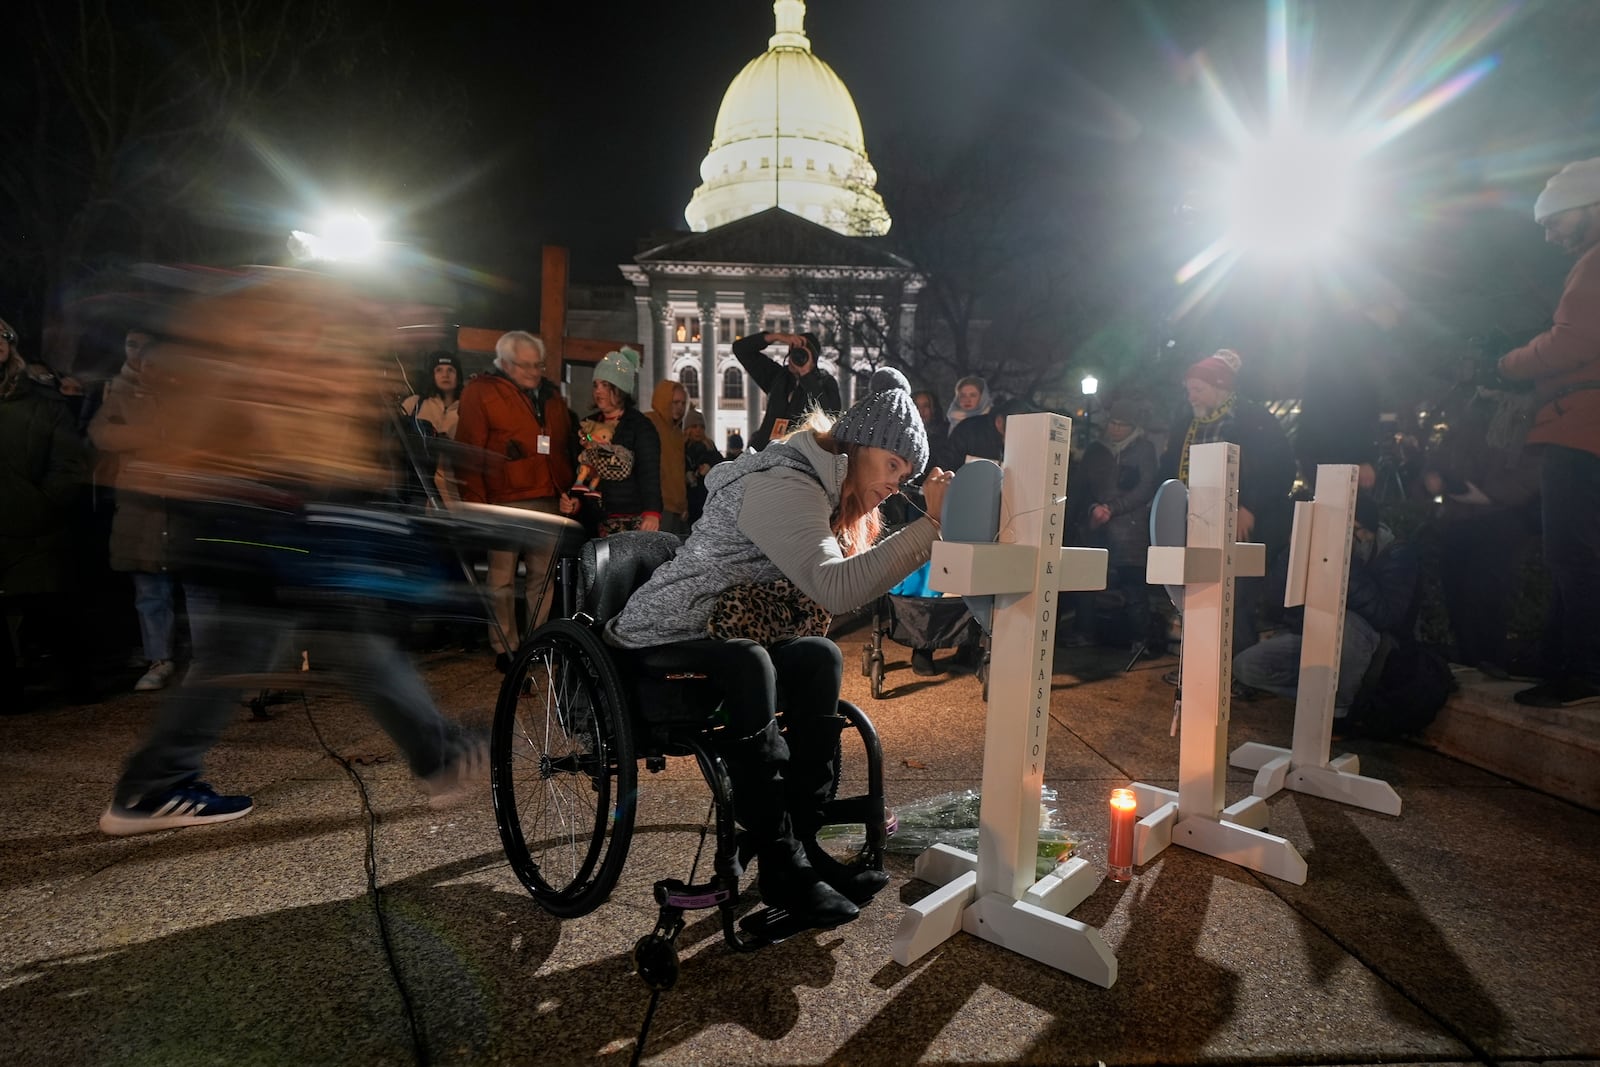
{"x":613,"y":462}
{"x":766,"y":613}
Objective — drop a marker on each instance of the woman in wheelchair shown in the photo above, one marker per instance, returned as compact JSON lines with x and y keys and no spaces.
{"x":788,"y":537}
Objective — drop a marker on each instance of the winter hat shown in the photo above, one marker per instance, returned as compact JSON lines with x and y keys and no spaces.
{"x":1125,"y":411}
{"x":696,"y":417}
{"x":621,"y":369}
{"x":887,"y":378}
{"x":887,"y":419}
{"x":1218,"y":369}
{"x":1575,"y":185}
{"x":443,"y":359}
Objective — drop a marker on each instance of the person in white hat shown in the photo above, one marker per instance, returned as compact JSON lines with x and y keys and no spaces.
{"x":1563,"y":363}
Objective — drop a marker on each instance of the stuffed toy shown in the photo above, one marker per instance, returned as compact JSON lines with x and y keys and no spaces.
{"x":600,"y":460}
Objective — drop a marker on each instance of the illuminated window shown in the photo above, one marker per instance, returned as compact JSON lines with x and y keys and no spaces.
{"x":766,"y":162}
{"x":694,"y":328}
{"x":733,"y":384}
{"x":689,"y":378}
{"x":788,"y":162}
{"x":811,"y":164}
{"x":681,"y":330}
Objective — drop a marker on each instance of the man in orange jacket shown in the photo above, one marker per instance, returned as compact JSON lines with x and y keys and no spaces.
{"x":1563,"y":364}
{"x":517,"y":449}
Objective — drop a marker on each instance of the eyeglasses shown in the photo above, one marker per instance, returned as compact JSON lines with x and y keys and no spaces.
{"x":8,"y":337}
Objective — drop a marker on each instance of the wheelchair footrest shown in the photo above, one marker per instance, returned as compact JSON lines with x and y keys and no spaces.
{"x":676,"y":893}
{"x":769,"y":926}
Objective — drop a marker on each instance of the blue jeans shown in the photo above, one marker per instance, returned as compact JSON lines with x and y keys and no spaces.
{"x":1570,"y":483}
{"x":152,"y":599}
{"x":238,"y":633}
{"x":1274,"y":664}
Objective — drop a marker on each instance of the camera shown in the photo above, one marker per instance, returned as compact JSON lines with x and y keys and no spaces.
{"x":802,"y":353}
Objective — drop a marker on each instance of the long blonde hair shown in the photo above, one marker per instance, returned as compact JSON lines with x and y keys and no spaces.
{"x":855,"y":525}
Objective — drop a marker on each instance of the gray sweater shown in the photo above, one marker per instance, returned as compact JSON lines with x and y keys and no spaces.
{"x":767,"y":517}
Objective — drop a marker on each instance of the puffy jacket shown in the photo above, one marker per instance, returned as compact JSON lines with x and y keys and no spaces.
{"x":1564,"y":364}
{"x":640,"y":492}
{"x":498,"y":428}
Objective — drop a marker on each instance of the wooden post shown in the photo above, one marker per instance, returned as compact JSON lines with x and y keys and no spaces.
{"x":993,"y":894}
{"x":1319,"y":578}
{"x":1194,"y":815}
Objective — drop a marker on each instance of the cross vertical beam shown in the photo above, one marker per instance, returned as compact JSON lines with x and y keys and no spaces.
{"x":993,"y":894}
{"x":1194,"y":815}
{"x":1319,"y":578}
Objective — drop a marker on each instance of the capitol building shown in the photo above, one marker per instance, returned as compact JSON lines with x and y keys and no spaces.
{"x":784,"y":233}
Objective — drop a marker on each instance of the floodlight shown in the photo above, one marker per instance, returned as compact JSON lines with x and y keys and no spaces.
{"x":1090,"y":385}
{"x":1292,"y":195}
{"x":341,"y":237}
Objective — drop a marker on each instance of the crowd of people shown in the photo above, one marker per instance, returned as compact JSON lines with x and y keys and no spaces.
{"x":226,"y":427}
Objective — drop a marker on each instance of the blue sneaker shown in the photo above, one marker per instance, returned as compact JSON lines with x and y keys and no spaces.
{"x":191,"y":803}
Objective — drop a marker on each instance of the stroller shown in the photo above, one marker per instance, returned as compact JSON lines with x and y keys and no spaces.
{"x":921,"y":621}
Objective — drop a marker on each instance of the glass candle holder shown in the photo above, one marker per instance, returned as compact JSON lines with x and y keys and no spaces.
{"x":1119,"y":852}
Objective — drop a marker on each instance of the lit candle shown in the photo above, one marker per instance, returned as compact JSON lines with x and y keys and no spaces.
{"x":1119,"y":853}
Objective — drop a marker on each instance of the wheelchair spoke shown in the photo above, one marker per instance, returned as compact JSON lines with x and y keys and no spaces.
{"x":561,"y":767}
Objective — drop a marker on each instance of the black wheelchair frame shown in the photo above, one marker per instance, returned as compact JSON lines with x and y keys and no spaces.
{"x":574,"y":718}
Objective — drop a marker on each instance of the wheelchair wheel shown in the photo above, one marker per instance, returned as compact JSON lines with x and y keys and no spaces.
{"x":562,"y":769}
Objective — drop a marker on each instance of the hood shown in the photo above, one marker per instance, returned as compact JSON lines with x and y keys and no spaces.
{"x":661,"y":399}
{"x":798,"y":451}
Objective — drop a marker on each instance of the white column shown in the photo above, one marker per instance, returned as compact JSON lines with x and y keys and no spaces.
{"x":710,"y":380}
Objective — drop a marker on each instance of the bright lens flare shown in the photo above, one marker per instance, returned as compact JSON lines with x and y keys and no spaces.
{"x":345,"y":237}
{"x":1292,"y":196}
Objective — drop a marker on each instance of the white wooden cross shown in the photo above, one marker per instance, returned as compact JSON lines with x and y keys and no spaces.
{"x":1206,"y":566}
{"x":1319,"y":577}
{"x":993,"y":894}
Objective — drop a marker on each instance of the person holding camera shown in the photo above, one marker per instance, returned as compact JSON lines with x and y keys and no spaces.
{"x":793,"y":387}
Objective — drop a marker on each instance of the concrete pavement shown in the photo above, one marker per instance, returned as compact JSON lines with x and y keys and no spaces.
{"x":343,"y":922}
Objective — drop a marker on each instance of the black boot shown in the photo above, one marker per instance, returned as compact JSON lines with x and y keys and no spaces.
{"x":808,"y":781}
{"x":783,"y":874}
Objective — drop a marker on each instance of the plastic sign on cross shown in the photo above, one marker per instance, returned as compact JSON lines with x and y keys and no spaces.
{"x":993,"y":894}
{"x":1319,"y":578}
{"x":1206,"y":566}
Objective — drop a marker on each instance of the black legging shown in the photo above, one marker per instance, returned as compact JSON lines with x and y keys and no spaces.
{"x":800,"y":677}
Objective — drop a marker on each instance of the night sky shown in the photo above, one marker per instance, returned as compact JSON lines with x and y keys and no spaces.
{"x":491,"y":128}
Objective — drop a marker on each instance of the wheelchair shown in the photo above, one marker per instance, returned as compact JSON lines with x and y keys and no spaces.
{"x":576,"y":716}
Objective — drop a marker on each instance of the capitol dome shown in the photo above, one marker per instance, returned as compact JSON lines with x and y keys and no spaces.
{"x":787,"y":135}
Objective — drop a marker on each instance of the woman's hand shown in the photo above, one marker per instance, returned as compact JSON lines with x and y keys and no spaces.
{"x":568,"y":504}
{"x":934,"y":486}
{"x":650,"y":522}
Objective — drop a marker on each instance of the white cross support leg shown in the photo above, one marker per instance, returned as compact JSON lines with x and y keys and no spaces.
{"x":1319,"y":578}
{"x":993,"y":894}
{"x":1206,"y":566}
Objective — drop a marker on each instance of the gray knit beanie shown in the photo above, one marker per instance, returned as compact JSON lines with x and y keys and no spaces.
{"x":887,"y":419}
